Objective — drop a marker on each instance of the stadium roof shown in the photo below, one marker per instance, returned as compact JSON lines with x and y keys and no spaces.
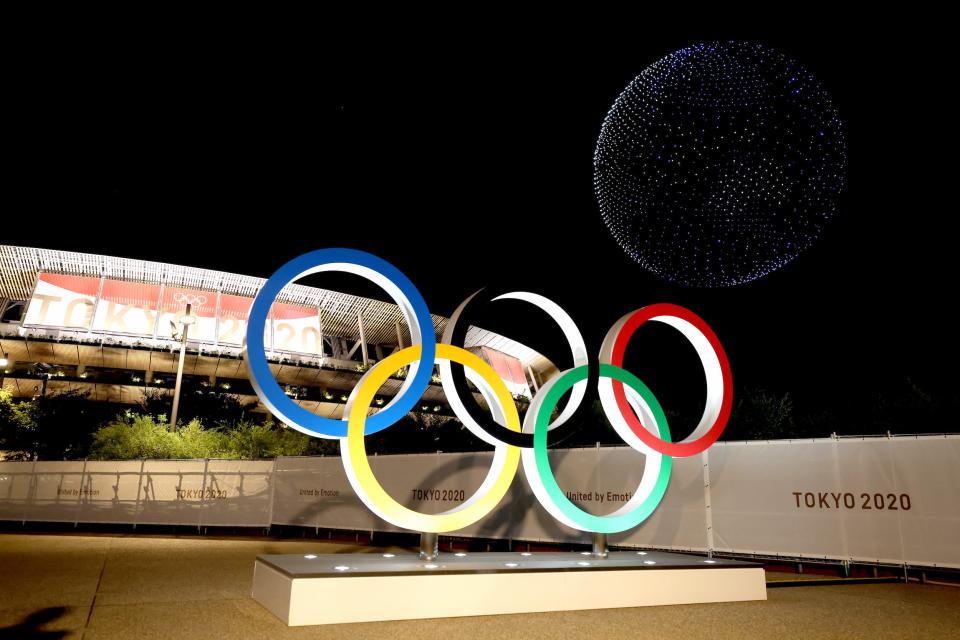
{"x":19,"y":267}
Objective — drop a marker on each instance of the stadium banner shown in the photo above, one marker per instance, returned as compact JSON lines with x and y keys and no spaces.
{"x":128,"y":308}
{"x":203,"y":306}
{"x":146,"y":310}
{"x":296,"y":329}
{"x":62,"y":301}
{"x":887,"y":500}
{"x":234,"y":311}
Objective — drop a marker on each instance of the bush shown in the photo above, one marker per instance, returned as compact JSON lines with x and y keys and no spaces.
{"x":254,"y":441}
{"x":133,"y":436}
{"x":197,"y":442}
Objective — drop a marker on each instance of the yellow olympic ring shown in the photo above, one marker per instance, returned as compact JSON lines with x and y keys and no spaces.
{"x":506,"y":457}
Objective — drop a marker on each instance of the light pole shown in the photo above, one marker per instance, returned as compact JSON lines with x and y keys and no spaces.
{"x":185,"y":322}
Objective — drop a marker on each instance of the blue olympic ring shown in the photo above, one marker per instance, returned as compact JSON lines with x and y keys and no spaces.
{"x":365,"y":265}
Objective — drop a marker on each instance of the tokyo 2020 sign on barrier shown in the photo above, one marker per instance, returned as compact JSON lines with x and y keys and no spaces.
{"x":628,"y":403}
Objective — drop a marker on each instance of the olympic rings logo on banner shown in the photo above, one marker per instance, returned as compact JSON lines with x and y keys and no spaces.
{"x":189,"y":298}
{"x":628,"y":403}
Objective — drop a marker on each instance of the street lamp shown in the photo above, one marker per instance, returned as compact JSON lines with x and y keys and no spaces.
{"x":185,"y":321}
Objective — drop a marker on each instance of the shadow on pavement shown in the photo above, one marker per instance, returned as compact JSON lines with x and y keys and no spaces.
{"x":29,"y":627}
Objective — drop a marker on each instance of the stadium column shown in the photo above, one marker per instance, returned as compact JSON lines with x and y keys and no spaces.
{"x":363,"y":340}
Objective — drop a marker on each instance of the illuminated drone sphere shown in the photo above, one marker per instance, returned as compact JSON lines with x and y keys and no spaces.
{"x":719,"y":164}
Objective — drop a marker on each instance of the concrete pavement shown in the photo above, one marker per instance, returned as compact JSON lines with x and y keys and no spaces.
{"x":132,"y":586}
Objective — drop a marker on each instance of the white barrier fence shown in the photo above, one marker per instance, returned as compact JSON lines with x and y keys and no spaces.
{"x":184,"y":492}
{"x":889,"y":500}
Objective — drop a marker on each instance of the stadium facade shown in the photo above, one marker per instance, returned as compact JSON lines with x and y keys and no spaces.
{"x":109,"y":327}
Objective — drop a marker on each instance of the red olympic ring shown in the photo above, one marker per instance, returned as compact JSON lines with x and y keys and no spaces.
{"x":687,"y":447}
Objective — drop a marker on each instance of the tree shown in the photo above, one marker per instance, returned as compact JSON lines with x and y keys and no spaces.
{"x":760,"y":415}
{"x":52,"y":427}
{"x":12,"y":430}
{"x":196,"y":402}
{"x":909,"y":408}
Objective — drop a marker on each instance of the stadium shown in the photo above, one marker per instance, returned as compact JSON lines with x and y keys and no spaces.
{"x":112,"y":328}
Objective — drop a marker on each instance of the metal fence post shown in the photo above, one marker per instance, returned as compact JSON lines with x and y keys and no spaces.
{"x":136,"y":504}
{"x":203,"y":494}
{"x":31,"y":492}
{"x":273,"y":492}
{"x":708,"y":512}
{"x":83,"y":472}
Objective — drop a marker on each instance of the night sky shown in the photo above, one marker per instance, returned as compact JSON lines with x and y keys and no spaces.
{"x":468,"y":161}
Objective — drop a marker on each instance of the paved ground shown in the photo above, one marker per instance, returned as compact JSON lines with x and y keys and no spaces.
{"x":170,"y":588}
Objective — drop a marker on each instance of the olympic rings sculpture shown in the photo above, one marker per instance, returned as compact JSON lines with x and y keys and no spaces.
{"x":628,"y":403}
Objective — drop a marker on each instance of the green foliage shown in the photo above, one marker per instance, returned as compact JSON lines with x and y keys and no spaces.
{"x":65,"y":426}
{"x":196,"y":402}
{"x":197,"y":442}
{"x":134,"y":436}
{"x":255,"y":441}
{"x":15,"y":428}
{"x":52,"y":427}
{"x":759,"y":415}
{"x":909,"y":408}
{"x":9,"y":416}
